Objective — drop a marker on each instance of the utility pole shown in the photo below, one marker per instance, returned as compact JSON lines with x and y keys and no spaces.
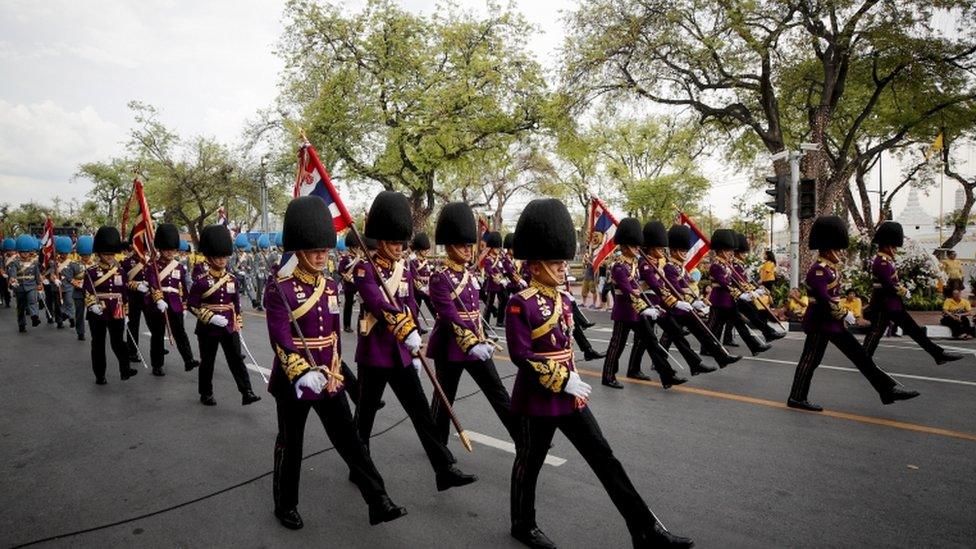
{"x":264,"y":195}
{"x":794,"y":158}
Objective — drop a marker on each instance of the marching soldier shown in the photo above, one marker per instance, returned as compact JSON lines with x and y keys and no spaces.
{"x":165,"y":300}
{"x":58,"y":287}
{"x":457,"y":341}
{"x":420,"y":269}
{"x":549,"y":393}
{"x":389,"y":341}
{"x":825,"y":321}
{"x":347,"y":263}
{"x":135,"y":274}
{"x":491,"y":266}
{"x":9,"y":253}
{"x":25,"y":275}
{"x":651,"y":274}
{"x":215,"y":301}
{"x":679,"y":242}
{"x":105,"y":298}
{"x":887,"y":297}
{"x":262,"y":266}
{"x":726,"y":291}
{"x":633,"y":313}
{"x":308,"y":299}
{"x":759,"y":317}
{"x":84,"y":247}
{"x":241,"y":266}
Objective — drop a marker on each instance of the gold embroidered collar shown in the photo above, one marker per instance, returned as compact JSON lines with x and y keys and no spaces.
{"x":548,"y":291}
{"x":454,"y":265}
{"x":382,"y":262}
{"x":306,"y":277}
{"x":215,"y":273}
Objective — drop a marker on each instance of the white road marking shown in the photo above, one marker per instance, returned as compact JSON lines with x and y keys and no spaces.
{"x":507,"y":446}
{"x":907,"y":346}
{"x":843,"y":369}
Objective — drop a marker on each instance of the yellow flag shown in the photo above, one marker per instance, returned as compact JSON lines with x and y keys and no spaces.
{"x":934,"y":147}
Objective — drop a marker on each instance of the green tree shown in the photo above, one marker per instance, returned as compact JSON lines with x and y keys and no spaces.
{"x":111,"y":185}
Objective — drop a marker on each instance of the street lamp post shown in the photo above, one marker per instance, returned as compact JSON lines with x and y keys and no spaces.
{"x":264,"y":195}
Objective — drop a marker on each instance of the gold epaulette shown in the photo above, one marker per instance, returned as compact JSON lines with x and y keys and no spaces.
{"x":528,"y":292}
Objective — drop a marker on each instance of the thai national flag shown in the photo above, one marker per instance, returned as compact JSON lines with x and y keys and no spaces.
{"x":603,"y":227}
{"x":700,"y":244}
{"x":47,"y":243}
{"x":314,"y":179}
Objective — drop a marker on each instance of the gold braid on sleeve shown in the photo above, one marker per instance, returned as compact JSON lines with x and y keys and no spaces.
{"x":202,"y":313}
{"x":466,"y":339}
{"x":399,"y":323}
{"x":157,"y":295}
{"x":552,"y":375}
{"x":90,"y":299}
{"x":637,"y":302}
{"x":293,"y":364}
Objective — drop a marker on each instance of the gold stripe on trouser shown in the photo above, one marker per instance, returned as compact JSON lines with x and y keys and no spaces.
{"x":611,"y":364}
{"x":878,"y":327}
{"x":813,"y":352}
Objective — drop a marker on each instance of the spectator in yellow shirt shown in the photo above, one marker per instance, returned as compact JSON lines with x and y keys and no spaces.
{"x":956,"y":314}
{"x":796,"y":305}
{"x":853,"y":304}
{"x":767,"y":273}
{"x":953,"y":270}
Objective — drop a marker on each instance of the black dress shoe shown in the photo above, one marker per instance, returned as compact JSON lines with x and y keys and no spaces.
{"x":730,"y":343}
{"x":804,"y":405}
{"x":71,"y":322}
{"x":35,"y":322}
{"x":165,"y":352}
{"x":158,"y":372}
{"x":897,"y":393}
{"x":948,"y":357}
{"x":81,"y":337}
{"x":452,"y":477}
{"x":613,"y":383}
{"x":134,"y":358}
{"x":22,"y":329}
{"x":422,"y":330}
{"x":289,"y":518}
{"x":207,"y":400}
{"x":773,"y":335}
{"x":50,"y":321}
{"x":384,"y":510}
{"x":668,"y":382}
{"x":60,"y":325}
{"x":659,"y":537}
{"x":592,"y":355}
{"x":701,"y":368}
{"x":762,"y":348}
{"x":191,"y":364}
{"x":347,"y":329}
{"x":249,"y":398}
{"x":639,"y":375}
{"x":730,"y":359}
{"x":101,"y":381}
{"x":131,"y":372}
{"x":533,"y":537}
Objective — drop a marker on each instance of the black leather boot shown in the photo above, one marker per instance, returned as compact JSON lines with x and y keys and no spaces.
{"x":897,"y":393}
{"x":657,"y":537}
{"x":249,"y":398}
{"x":384,"y":510}
{"x":289,"y":518}
{"x":452,"y":477}
{"x":532,"y":537}
{"x":804,"y":405}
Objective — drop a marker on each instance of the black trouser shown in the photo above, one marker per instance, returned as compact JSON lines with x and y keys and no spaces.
{"x":135,"y":312}
{"x":618,"y":340}
{"x":349,"y":298}
{"x":52,"y":298}
{"x":4,"y":288}
{"x":335,"y":416}
{"x":80,"y":312}
{"x":582,"y":430}
{"x":491,"y":297}
{"x":671,"y":333}
{"x":708,"y":341}
{"x":958,"y":327}
{"x":115,"y":328}
{"x":758,"y":317}
{"x":486,"y":377}
{"x":580,"y":337}
{"x":231,"y":343}
{"x":578,"y":316}
{"x":259,"y":285}
{"x":722,"y":316}
{"x":502,"y":303}
{"x":156,"y":323}
{"x":903,"y":320}
{"x":813,"y":352}
{"x":423,"y":299}
{"x":406,"y":386}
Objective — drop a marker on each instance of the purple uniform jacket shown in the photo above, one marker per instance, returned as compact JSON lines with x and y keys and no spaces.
{"x":887,"y":291}
{"x":494,"y":278}
{"x":345,"y":266}
{"x":172,"y":288}
{"x":724,"y":288}
{"x":824,"y":314}
{"x":457,"y":328}
{"x":676,"y":274}
{"x":510,"y":272}
{"x":135,"y":272}
{"x":420,"y":270}
{"x":653,"y":279}
{"x":105,"y":285}
{"x":215,"y":293}
{"x":538,"y":328}
{"x":314,"y":301}
{"x":628,"y":301}
{"x":383,"y":325}
{"x":199,"y":269}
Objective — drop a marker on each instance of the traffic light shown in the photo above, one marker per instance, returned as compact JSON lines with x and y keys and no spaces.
{"x":808,"y":199}
{"x":778,"y":189}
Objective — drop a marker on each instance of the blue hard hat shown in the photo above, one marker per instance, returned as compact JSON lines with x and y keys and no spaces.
{"x":264,"y":242}
{"x":341,"y":243}
{"x":62,"y":244}
{"x":26,"y":243}
{"x":277,"y":240}
{"x":85,"y":244}
{"x":184,"y":245}
{"x":242,"y":242}
{"x":9,"y":244}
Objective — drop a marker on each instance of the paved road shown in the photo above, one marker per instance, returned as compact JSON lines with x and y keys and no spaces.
{"x":142,"y":463}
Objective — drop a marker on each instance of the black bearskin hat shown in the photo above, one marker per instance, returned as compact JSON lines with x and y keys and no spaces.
{"x":456,"y":225}
{"x":420,"y":242}
{"x":629,"y":233}
{"x":509,"y":239}
{"x":741,"y":243}
{"x":890,"y":233}
{"x":493,"y":239}
{"x":389,"y":218}
{"x":371,"y":243}
{"x":723,"y":239}
{"x":307,"y":225}
{"x":829,"y":232}
{"x":679,"y":238}
{"x":167,"y":237}
{"x":545,"y":232}
{"x":107,"y":241}
{"x":655,"y":235}
{"x":215,"y":241}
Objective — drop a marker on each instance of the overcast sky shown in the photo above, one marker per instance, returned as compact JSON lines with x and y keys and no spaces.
{"x":68,"y":69}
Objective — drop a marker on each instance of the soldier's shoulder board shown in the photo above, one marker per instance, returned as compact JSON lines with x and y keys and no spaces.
{"x":528,"y":292}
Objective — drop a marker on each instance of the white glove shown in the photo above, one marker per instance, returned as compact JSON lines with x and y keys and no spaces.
{"x":523,"y":284}
{"x":162,"y":306}
{"x":571,"y":297}
{"x":745,"y":296}
{"x":416,"y":363}
{"x":705,"y":310}
{"x":684,"y":306}
{"x":313,"y":381}
{"x":413,"y":342}
{"x":57,"y":283}
{"x":759,"y":291}
{"x":143,"y":287}
{"x":651,"y":312}
{"x":481,"y":351}
{"x":699,"y":304}
{"x":45,"y":282}
{"x":849,"y":318}
{"x":219,"y":321}
{"x":577,"y":387}
{"x":95,"y":309}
